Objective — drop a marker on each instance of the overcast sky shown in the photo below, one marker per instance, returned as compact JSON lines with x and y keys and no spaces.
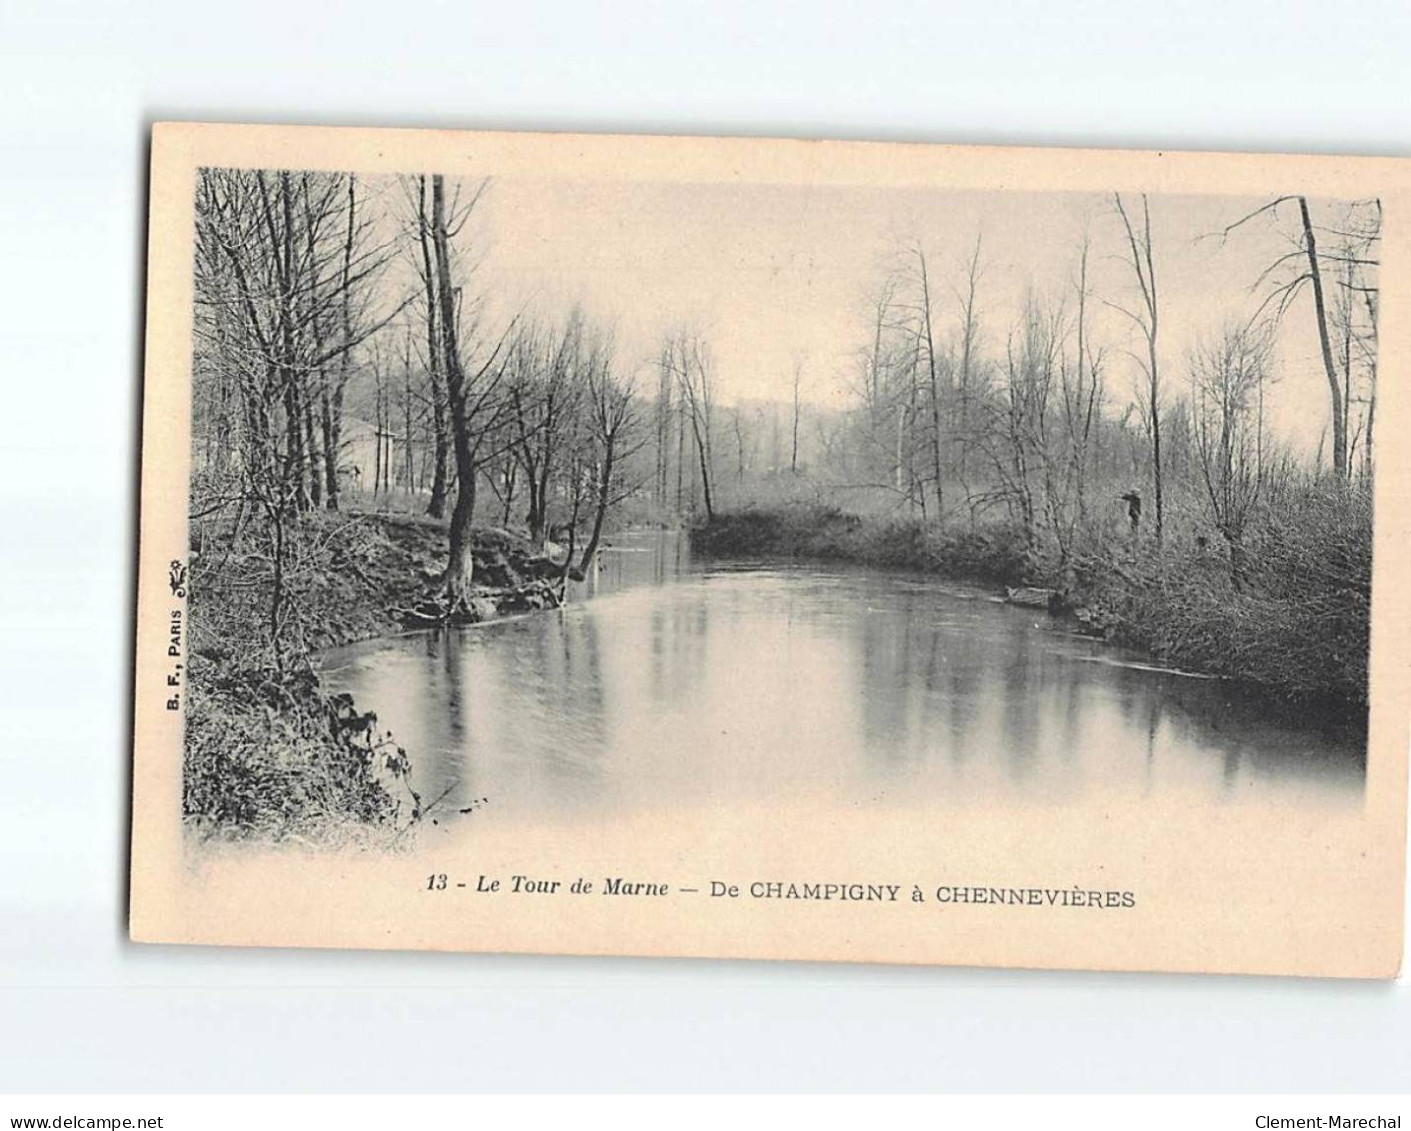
{"x":769,"y":273}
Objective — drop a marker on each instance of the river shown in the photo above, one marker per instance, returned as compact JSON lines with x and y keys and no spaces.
{"x":672,"y":683}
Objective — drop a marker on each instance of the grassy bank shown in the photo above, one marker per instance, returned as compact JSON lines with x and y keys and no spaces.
{"x":995,"y":554}
{"x":269,"y":754}
{"x":1296,"y":621}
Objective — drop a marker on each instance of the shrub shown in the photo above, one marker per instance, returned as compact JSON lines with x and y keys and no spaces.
{"x":268,"y":755}
{"x":1296,"y":618}
{"x":996,"y":553}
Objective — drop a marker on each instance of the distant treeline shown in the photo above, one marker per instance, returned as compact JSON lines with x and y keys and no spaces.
{"x":349,"y":353}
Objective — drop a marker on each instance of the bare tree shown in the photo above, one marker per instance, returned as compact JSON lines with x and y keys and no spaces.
{"x":469,"y":394}
{"x":1065,"y":450}
{"x":663,"y":412}
{"x":926,"y":337}
{"x":283,"y":294}
{"x":1353,"y":317}
{"x":436,"y":505}
{"x":612,"y":432}
{"x":544,"y":388}
{"x":794,"y":447}
{"x":691,"y":361}
{"x":737,"y":426}
{"x":1021,"y":451}
{"x":1357,"y":254}
{"x":1315,"y":276}
{"x":1146,"y":318}
{"x":969,"y":343}
{"x":1228,"y":378}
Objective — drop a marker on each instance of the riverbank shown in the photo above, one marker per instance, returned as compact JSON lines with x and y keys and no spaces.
{"x":268,"y":753}
{"x":990,"y":555}
{"x":1297,"y":625}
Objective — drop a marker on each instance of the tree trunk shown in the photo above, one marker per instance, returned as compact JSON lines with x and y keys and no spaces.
{"x":794,"y":451}
{"x":314,"y":459}
{"x":680,"y":455}
{"x":436,"y":507}
{"x":1329,"y":366}
{"x":705,"y":470}
{"x":508,"y":479}
{"x":331,"y":441}
{"x":663,"y":431}
{"x":967,"y":347}
{"x":935,"y":389}
{"x":377,"y":438}
{"x":332,"y":406}
{"x":461,"y":564}
{"x":538,"y":517}
{"x":294,"y":441}
{"x":407,"y":426}
{"x":1144,"y":267}
{"x":604,"y":499}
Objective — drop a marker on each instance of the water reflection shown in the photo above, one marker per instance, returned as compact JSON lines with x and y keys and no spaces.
{"x":666,"y":683}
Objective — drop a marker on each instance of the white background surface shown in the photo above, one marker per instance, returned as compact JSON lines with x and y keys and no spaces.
{"x":81,"y":1009}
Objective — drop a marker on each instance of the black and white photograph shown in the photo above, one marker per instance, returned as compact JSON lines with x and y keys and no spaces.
{"x":537,"y":496}
{"x":755,"y":533}
{"x":705,"y":564}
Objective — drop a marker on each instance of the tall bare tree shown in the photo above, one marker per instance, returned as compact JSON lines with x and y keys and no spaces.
{"x":969,"y":344}
{"x":544,"y":389}
{"x":1228,"y":378}
{"x":469,"y":393}
{"x":1308,"y":264}
{"x":613,"y":436}
{"x":794,"y":441}
{"x":1143,"y":262}
{"x":691,"y":361}
{"x":436,"y":505}
{"x":926,"y":336}
{"x":283,"y":295}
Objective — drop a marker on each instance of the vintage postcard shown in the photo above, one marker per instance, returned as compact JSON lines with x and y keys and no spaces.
{"x":774,"y":549}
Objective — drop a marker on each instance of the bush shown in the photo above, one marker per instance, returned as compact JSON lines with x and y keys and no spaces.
{"x":996,"y":553}
{"x":268,"y":755}
{"x":787,"y":531}
{"x":993,"y":553}
{"x":1296,"y":619}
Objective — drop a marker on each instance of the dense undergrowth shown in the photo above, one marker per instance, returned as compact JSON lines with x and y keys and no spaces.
{"x":269,"y":755}
{"x":823,"y":533}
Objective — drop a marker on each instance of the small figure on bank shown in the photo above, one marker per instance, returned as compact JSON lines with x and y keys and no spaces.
{"x":1134,"y":509}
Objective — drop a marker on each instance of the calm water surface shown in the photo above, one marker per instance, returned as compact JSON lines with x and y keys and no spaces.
{"x":668,"y":682}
